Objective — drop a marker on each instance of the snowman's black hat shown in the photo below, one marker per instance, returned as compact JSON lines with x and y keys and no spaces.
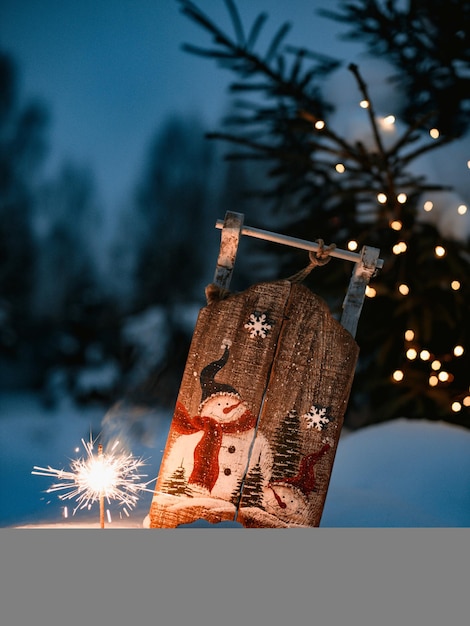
{"x":209,"y":385}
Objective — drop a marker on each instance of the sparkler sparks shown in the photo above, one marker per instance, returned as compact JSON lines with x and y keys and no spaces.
{"x":113,"y":475}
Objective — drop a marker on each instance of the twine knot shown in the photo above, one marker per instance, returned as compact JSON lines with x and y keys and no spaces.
{"x":316,"y":258}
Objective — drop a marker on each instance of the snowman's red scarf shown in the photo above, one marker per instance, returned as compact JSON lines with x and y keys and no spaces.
{"x":206,"y":453}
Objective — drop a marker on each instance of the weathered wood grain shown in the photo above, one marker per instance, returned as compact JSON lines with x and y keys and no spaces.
{"x":246,"y":372}
{"x":282,"y":367}
{"x":303,"y":412}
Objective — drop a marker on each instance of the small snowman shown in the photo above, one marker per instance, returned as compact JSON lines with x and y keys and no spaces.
{"x":288,"y":498}
{"x":214,"y":446}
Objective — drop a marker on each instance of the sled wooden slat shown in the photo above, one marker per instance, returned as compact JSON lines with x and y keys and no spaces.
{"x":229,"y":240}
{"x":224,"y":329}
{"x":302,"y":415}
{"x":363,"y":271}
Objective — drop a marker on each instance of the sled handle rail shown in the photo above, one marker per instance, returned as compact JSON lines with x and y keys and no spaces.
{"x":294,"y":242}
{"x":366,"y":262}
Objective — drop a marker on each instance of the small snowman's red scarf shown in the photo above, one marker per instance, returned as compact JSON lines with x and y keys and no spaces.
{"x":206,"y":453}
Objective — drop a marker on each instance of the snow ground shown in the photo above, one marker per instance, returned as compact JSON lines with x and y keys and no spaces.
{"x":404,"y":473}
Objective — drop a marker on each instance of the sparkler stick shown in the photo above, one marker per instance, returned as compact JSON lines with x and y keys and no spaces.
{"x":100,"y":457}
{"x":113,"y":475}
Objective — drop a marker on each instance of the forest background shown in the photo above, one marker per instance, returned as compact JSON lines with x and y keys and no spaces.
{"x":98,"y":303}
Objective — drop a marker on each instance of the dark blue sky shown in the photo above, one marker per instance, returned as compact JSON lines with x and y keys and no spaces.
{"x":112,"y":71}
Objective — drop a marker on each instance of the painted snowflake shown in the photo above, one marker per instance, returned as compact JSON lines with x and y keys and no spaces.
{"x":318,"y":417}
{"x":258,"y":325}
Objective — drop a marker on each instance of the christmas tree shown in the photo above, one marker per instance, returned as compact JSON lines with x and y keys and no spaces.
{"x":177,"y":484}
{"x":249,"y":490}
{"x":413,"y":332}
{"x":286,"y":447}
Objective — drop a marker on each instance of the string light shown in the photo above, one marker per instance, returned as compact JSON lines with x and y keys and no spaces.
{"x":319,"y":124}
{"x":411,"y":354}
{"x":434,"y":133}
{"x":462,"y":209}
{"x":370,"y":292}
{"x":409,"y":335}
{"x":389,"y":120}
{"x":458,"y":350}
{"x":443,"y":376}
{"x":403,"y":289}
{"x":436,"y":365}
{"x":466,"y":401}
{"x":339,"y":167}
{"x":364,"y":104}
{"x":433,"y":381}
{"x":425,"y":355}
{"x":399,"y":247}
{"x":402,"y":198}
{"x":428,"y":206}
{"x":382,"y":198}
{"x":398,"y":376}
{"x":352,"y":245}
{"x":440,"y":251}
{"x":455,"y":284}
{"x":456,"y":407}
{"x":396,"y":225}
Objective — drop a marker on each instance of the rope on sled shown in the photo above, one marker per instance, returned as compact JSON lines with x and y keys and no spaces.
{"x":317,"y":258}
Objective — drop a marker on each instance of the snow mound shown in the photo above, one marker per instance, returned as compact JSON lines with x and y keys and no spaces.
{"x":403,"y":473}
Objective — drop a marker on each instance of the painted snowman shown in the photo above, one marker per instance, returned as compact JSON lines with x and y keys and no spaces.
{"x":288,"y":498}
{"x":217,"y":447}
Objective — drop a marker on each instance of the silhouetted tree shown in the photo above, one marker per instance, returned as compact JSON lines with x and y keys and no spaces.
{"x":171,"y":207}
{"x":22,"y":149}
{"x":413,"y":331}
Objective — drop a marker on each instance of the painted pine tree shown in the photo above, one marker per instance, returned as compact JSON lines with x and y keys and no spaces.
{"x":287,"y":447}
{"x":177,"y":484}
{"x":252,"y":494}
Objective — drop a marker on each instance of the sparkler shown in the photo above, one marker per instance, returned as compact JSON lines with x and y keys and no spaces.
{"x":113,"y":475}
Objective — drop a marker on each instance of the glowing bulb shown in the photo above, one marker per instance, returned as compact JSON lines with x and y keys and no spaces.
{"x":433,"y":381}
{"x":396,"y":225}
{"x":352,"y":245}
{"x":382,"y":198}
{"x":319,"y":124}
{"x":443,"y":376}
{"x":399,"y":247}
{"x":462,"y":209}
{"x":468,"y":164}
{"x":402,"y":198}
{"x":398,"y":376}
{"x":364,"y":104}
{"x":411,"y":354}
{"x":466,"y":401}
{"x":409,"y":335}
{"x":403,"y":289}
{"x":428,"y":205}
{"x":370,"y":292}
{"x":425,"y":355}
{"x":339,"y":167}
{"x":456,"y":407}
{"x":458,"y":350}
{"x":434,"y":133}
{"x":390,"y":119}
{"x":440,"y":251}
{"x":455,"y":284}
{"x":436,"y":364}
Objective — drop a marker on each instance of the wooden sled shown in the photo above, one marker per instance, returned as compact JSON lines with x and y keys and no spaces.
{"x":262,"y":399}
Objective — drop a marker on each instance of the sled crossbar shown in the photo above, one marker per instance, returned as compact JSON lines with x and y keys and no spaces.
{"x":294,"y":242}
{"x":366,"y":263}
